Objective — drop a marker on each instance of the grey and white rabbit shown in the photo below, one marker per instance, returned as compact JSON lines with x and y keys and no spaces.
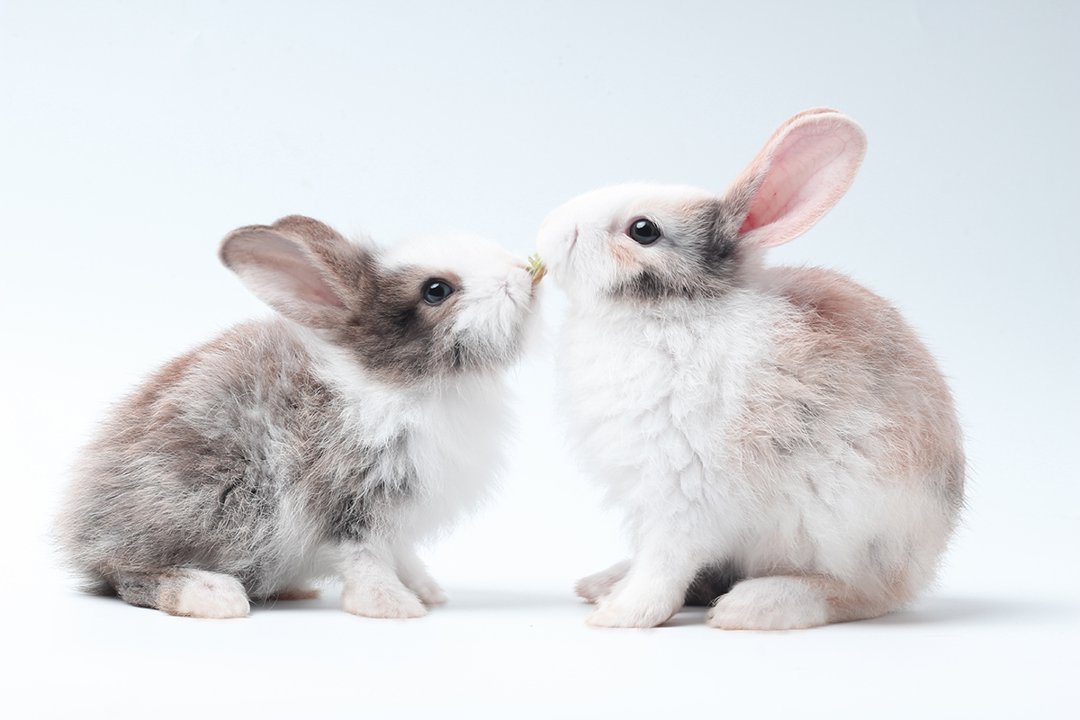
{"x":330,"y":439}
{"x":780,"y":427}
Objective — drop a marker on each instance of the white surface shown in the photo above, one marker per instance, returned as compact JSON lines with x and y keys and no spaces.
{"x":133,"y":136}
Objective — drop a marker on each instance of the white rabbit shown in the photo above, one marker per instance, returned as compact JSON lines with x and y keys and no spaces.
{"x":330,"y":439}
{"x":781,"y":427}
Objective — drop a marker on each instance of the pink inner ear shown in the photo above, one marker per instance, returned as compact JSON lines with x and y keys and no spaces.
{"x":298,"y":275}
{"x":807,"y":167}
{"x":277,"y":269}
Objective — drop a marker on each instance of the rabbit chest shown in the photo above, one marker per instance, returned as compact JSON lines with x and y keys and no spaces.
{"x":651,"y":394}
{"x":455,"y":439}
{"x":409,"y":460}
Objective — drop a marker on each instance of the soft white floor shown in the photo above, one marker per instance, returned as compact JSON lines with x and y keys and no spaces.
{"x":511,"y":651}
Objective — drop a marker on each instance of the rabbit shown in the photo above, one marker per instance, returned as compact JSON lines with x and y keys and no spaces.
{"x":331,"y":439}
{"x":777,"y":433}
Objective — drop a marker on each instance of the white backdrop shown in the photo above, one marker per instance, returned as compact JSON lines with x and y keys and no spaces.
{"x":133,"y":136}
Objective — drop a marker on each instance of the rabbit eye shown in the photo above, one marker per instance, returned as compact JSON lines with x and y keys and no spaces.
{"x":643,"y":231}
{"x":435,"y":291}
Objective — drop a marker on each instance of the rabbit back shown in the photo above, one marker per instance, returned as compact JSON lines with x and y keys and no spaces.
{"x":234,"y":457}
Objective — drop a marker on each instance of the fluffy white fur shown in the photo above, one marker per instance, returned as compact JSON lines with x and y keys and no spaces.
{"x":788,"y":424}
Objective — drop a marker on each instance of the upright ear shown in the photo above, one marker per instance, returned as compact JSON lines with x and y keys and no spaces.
{"x":300,"y":267}
{"x":802,"y":171}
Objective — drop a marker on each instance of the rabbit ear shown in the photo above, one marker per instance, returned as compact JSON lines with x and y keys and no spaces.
{"x":300,"y":267}
{"x":801,"y":172}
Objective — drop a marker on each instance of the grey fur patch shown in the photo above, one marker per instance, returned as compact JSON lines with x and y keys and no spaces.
{"x":808,"y":412}
{"x":394,"y":333}
{"x":715,"y":224}
{"x":875,"y":555}
{"x":141,"y":589}
{"x":784,"y":447}
{"x":700,"y":258}
{"x":382,"y":481}
{"x":196,"y":469}
{"x":651,"y":285}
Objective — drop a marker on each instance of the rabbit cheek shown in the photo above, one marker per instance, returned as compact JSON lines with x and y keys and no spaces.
{"x":626,"y":259}
{"x":698,"y":258}
{"x":712,"y":229}
{"x":397,"y":336}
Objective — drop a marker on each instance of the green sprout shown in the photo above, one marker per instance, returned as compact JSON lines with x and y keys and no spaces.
{"x":537,"y":268}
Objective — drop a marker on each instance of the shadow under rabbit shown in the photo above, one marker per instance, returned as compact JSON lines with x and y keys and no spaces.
{"x":460,"y":600}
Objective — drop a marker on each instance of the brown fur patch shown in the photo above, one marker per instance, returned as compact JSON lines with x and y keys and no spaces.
{"x":294,"y":594}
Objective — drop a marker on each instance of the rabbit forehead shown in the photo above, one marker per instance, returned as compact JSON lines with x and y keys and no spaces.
{"x":611,"y":206}
{"x":467,"y":256}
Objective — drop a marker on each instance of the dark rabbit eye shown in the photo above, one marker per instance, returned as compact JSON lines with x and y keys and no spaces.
{"x":643,"y":231}
{"x":435,"y":291}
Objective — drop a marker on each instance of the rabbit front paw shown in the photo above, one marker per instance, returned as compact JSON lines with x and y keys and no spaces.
{"x":380,"y":601}
{"x":428,"y":591}
{"x":622,"y":612}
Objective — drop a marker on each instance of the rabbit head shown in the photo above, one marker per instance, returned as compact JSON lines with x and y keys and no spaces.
{"x":435,"y":308}
{"x":651,"y":242}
